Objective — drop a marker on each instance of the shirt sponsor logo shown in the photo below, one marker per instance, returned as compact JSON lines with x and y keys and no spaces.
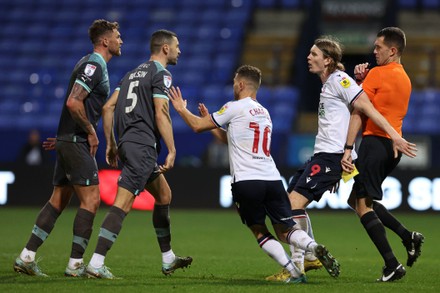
{"x":345,"y":82}
{"x":167,"y":80}
{"x":90,"y":69}
{"x":222,"y":110}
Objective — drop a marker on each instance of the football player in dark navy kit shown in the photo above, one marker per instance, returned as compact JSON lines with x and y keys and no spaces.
{"x":140,"y":107}
{"x":76,"y":144}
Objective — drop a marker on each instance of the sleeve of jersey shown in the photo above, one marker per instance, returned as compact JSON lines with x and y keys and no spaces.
{"x":372,"y":82}
{"x":349,"y":89}
{"x":89,"y":75}
{"x":224,"y":115}
{"x":162,"y":82}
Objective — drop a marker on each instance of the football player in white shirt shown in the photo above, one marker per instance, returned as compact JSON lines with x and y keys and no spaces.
{"x":339,"y":95}
{"x":257,"y":188}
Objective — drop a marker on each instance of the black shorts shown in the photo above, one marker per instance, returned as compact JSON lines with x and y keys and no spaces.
{"x":375,"y":162}
{"x":256,"y":199}
{"x":321,"y":173}
{"x":74,"y":164}
{"x":139,"y":166}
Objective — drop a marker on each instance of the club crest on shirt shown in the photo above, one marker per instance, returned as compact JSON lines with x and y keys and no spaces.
{"x":345,"y":82}
{"x":167,"y":80}
{"x":90,"y":69}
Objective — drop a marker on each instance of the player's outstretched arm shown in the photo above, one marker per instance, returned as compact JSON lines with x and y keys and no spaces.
{"x":197,"y":124}
{"x":363,"y":104}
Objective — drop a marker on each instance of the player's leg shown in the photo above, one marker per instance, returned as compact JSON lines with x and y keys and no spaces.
{"x":393,"y":270}
{"x":161,"y":191}
{"x":89,"y":199}
{"x":108,"y":233}
{"x":298,"y":204}
{"x":45,"y":222}
{"x":250,"y":199}
{"x":311,"y":262}
{"x":275,"y":250}
{"x":412,"y":240}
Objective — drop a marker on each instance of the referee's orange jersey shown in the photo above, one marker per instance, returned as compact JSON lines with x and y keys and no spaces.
{"x":389,"y":88}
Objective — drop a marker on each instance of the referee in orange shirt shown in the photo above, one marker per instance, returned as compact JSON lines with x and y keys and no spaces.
{"x":389,"y":89}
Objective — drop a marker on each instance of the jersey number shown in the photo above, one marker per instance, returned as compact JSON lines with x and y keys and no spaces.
{"x":132,"y":96}
{"x":266,"y":144}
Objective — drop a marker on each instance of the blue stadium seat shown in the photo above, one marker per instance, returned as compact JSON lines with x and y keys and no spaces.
{"x":286,"y":93}
{"x":407,"y":4}
{"x":266,"y":3}
{"x":431,"y":4}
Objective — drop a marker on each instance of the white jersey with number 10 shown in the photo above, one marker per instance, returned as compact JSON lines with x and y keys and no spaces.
{"x":249,"y":130}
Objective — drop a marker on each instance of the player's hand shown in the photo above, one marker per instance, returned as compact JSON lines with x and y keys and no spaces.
{"x":169,"y":163}
{"x":111,"y":156}
{"x":361,"y":71}
{"x":347,"y":162}
{"x":49,"y":143}
{"x":176,"y":98}
{"x":407,"y":148}
{"x":92,"y":138}
{"x":203,"y":111}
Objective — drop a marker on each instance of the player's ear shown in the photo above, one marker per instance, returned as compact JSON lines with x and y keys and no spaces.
{"x":166,"y":49}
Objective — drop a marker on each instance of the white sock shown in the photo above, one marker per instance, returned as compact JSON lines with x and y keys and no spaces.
{"x":301,"y":239}
{"x":27,"y":255}
{"x":97,"y":261}
{"x":168,"y":256}
{"x":276,"y":251}
{"x":74,"y":263}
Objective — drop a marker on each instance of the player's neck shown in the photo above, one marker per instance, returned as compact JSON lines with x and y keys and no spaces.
{"x":157,"y":58}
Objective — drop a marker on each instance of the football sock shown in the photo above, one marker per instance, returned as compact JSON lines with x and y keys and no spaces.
{"x":300,"y":217}
{"x":161,"y":223}
{"x":82,"y":229}
{"x":301,"y":239}
{"x":276,"y":251}
{"x":27,"y":255}
{"x":391,"y":222}
{"x":376,"y":231}
{"x":309,"y":226}
{"x":111,"y":226}
{"x":168,"y":257}
{"x":43,"y":226}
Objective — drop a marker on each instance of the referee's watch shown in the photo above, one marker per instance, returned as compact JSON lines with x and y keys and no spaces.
{"x":348,"y":147}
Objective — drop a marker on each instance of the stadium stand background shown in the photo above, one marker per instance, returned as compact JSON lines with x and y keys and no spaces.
{"x":41,"y":41}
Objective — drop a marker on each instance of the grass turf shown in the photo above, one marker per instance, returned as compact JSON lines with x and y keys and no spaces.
{"x":226,"y":257}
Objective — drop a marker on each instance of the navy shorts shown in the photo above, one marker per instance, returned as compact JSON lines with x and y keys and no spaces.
{"x":375,"y":162}
{"x":139,"y":166}
{"x":256,"y":199}
{"x":74,"y":164}
{"x":319,"y":174}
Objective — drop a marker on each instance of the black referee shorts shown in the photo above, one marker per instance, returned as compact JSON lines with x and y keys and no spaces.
{"x":375,"y":162}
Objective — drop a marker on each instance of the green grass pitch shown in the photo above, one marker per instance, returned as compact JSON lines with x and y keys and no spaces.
{"x":226,"y":256}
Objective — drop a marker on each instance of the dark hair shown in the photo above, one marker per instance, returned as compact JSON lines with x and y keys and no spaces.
{"x":393,"y":37}
{"x":99,"y":28}
{"x":251,"y":73}
{"x":159,"y":38}
{"x":331,"y":48}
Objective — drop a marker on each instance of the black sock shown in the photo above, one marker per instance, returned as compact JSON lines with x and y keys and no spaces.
{"x":82,"y":229}
{"x":391,"y":222}
{"x":43,"y":226}
{"x":110,"y":228}
{"x":376,"y":231}
{"x":161,"y":223}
